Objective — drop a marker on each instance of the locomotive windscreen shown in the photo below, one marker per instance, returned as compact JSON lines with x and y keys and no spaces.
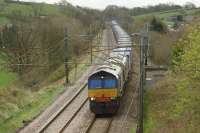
{"x":102,"y":83}
{"x":109,"y":83}
{"x":102,"y":80}
{"x":95,"y":84}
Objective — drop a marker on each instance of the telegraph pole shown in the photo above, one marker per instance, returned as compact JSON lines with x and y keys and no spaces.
{"x":146,"y":43}
{"x":66,"y":56}
{"x":146,"y":48}
{"x":90,"y":39}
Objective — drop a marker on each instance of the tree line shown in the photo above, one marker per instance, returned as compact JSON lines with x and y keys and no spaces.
{"x":33,"y":46}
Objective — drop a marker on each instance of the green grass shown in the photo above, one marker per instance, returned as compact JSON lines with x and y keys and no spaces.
{"x":7,"y":78}
{"x":164,"y":15}
{"x":33,"y":104}
{"x":133,"y":130}
{"x":149,"y":123}
{"x":19,"y":105}
{"x":26,"y":10}
{"x":60,"y":72}
{"x":30,"y":104}
{"x":3,"y":20}
{"x":51,"y":10}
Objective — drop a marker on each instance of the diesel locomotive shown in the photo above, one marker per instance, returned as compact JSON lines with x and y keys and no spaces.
{"x":106,"y":83}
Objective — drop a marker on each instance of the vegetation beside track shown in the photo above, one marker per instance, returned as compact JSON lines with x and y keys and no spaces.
{"x":26,"y":93}
{"x":173,"y":104}
{"x":7,"y":77}
{"x":20,"y":105}
{"x":161,"y":43}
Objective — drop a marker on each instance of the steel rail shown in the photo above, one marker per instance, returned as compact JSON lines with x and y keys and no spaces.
{"x":90,"y":125}
{"x":74,"y":115}
{"x":107,"y":127}
{"x":55,"y":115}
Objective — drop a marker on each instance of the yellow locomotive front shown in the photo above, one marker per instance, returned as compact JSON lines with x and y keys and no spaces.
{"x":103,"y":93}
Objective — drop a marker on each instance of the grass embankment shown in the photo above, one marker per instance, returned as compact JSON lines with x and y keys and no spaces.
{"x":19,"y":105}
{"x":172,"y":106}
{"x":19,"y":102}
{"x":74,"y":72}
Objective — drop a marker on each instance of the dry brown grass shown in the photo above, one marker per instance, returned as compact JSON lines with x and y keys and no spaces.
{"x":161,"y":46}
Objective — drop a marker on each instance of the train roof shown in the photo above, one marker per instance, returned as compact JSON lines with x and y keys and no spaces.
{"x":118,"y":57}
{"x":109,"y":68}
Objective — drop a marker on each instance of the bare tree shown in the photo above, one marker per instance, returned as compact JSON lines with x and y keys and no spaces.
{"x":19,"y":41}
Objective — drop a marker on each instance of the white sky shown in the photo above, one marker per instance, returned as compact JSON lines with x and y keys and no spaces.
{"x":101,"y":4}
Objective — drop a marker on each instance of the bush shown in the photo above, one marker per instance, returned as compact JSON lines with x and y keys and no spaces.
{"x":158,"y":26}
{"x":186,"y":54}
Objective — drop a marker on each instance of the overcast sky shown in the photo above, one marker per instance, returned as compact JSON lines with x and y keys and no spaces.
{"x":101,"y":4}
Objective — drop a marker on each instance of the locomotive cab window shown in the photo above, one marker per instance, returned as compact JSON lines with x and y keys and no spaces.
{"x":110,"y":83}
{"x":95,"y":83}
{"x":102,"y":80}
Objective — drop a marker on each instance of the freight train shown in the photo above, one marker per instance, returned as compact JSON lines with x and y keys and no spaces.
{"x":106,"y":83}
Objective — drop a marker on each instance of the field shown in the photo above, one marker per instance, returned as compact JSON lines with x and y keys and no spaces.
{"x":27,"y":10}
{"x":166,"y":14}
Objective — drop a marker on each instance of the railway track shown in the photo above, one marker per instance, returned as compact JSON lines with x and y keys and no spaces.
{"x":59,"y":121}
{"x":60,"y":111}
{"x":74,"y":115}
{"x":99,"y":125}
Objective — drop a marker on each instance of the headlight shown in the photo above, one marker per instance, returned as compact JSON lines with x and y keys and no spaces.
{"x":113,"y":98}
{"x":92,"y":98}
